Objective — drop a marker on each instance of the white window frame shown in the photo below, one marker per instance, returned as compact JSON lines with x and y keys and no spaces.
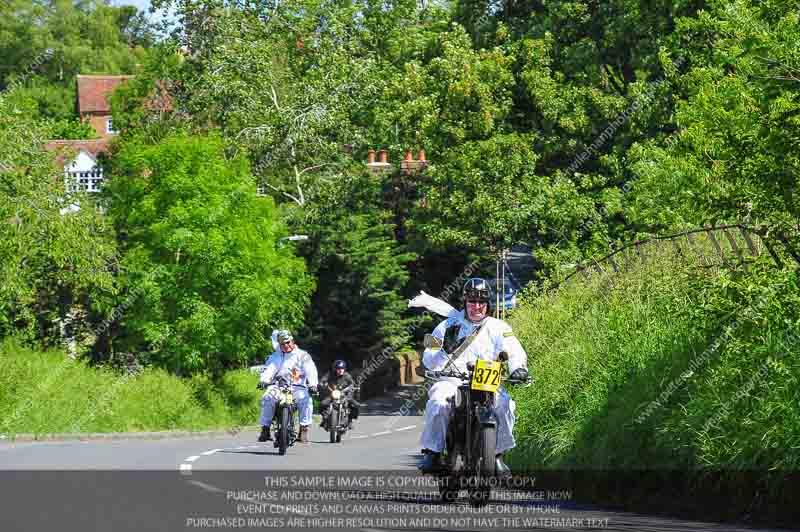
{"x":83,"y":181}
{"x":110,"y":126}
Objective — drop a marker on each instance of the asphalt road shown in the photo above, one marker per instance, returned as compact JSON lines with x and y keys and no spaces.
{"x":368,"y":482}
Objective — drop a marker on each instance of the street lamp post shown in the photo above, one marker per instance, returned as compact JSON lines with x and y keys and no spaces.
{"x":293,"y":238}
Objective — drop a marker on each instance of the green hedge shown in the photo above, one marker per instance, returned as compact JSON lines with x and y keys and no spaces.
{"x":669,"y":366}
{"x":51,"y":393}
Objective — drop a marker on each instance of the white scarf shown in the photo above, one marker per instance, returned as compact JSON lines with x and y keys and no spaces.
{"x":442,"y":308}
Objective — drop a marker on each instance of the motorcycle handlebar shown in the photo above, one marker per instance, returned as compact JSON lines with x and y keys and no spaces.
{"x":435,"y":375}
{"x":281,"y":379}
{"x":443,"y":374}
{"x":348,"y":390}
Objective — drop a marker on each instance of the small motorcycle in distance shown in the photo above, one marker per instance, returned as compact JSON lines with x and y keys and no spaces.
{"x":338,"y":413}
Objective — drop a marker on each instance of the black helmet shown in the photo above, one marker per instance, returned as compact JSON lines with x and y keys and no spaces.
{"x":477,"y":288}
{"x":340,"y":364}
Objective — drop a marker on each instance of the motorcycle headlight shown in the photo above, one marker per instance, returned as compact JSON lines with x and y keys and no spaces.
{"x":336,"y":394}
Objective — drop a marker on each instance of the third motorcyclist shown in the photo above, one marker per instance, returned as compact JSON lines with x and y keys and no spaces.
{"x":484,"y":337}
{"x":337,"y":378}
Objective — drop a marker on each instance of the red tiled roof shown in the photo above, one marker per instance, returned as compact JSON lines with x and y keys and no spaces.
{"x":92,"y":92}
{"x":93,"y":147}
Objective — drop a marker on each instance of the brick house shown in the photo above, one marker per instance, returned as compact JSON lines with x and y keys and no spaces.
{"x":84,"y":171}
{"x":93,"y":105}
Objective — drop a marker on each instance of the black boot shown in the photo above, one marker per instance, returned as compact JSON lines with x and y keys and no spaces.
{"x":502,"y":470}
{"x":265,"y":435}
{"x":431,"y":463}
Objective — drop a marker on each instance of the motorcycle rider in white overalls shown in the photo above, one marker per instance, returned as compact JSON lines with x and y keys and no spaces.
{"x":298,"y":367}
{"x":493,"y":337}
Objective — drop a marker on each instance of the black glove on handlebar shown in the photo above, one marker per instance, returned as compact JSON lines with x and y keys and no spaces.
{"x":519,"y":374}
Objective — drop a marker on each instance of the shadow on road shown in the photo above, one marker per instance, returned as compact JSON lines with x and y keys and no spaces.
{"x":257,"y":453}
{"x":404,"y":400}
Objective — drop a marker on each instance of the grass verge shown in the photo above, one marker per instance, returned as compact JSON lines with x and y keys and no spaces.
{"x":47,"y":392}
{"x":671,"y":386}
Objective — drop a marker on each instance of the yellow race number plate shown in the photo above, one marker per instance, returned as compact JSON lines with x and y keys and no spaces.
{"x":486,"y":376}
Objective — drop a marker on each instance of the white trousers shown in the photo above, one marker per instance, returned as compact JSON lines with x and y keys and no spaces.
{"x":305,"y":407}
{"x":438,"y":411}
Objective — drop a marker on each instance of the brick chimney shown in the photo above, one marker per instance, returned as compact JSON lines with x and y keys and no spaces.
{"x":382,"y":164}
{"x":411,"y":166}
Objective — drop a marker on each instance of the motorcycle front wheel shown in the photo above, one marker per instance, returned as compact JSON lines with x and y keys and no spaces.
{"x":488,"y":447}
{"x":283,"y":433}
{"x":333,"y":426}
{"x":479,"y":495}
{"x":448,"y":490}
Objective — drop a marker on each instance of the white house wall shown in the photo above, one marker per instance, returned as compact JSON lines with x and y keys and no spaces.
{"x":85,"y":172}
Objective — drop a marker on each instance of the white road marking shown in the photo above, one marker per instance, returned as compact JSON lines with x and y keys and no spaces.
{"x":186,"y":467}
{"x":207,"y":487}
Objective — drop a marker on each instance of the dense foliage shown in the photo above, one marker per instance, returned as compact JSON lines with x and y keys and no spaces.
{"x":46,"y":43}
{"x":687,"y":372}
{"x":206,"y":281}
{"x":49,"y":263}
{"x":571,"y":125}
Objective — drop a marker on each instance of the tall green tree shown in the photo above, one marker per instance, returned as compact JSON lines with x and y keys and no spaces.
{"x":53,"y":259}
{"x":207,"y":282}
{"x":46,"y":43}
{"x":359,"y":306}
{"x":294,"y":88}
{"x":735,"y":155}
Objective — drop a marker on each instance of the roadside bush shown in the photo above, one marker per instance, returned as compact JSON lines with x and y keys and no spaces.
{"x":238,"y":387}
{"x":47,"y":392}
{"x":667,"y":367}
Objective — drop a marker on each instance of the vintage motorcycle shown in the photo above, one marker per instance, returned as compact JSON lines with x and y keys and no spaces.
{"x":337,"y":415}
{"x":283,"y":422}
{"x":469,"y":457}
